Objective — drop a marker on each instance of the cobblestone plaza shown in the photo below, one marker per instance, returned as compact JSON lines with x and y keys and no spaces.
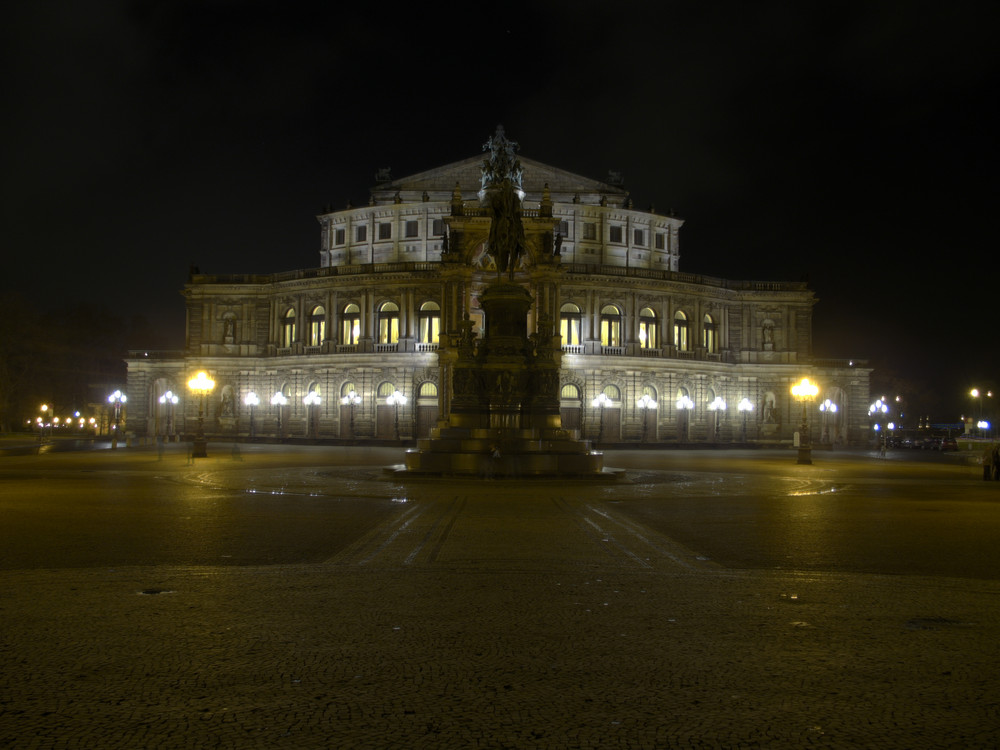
{"x":148,"y":601}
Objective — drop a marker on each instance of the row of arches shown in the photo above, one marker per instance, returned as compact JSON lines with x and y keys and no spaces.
{"x":605,"y":413}
{"x":650,"y":328}
{"x":387,"y":324}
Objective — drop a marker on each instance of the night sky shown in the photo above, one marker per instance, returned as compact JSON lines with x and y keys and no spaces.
{"x":850,"y":144}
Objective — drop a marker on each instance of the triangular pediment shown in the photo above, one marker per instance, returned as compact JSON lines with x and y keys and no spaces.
{"x":439,"y":183}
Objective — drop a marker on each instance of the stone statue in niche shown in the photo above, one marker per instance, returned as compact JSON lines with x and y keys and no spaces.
{"x":228,"y":409}
{"x":229,"y":330}
{"x":767,"y":336}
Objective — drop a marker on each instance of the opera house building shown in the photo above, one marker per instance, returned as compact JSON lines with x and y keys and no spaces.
{"x":361,"y":347}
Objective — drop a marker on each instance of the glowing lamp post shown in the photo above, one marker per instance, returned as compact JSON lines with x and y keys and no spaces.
{"x":169,"y":399}
{"x":41,"y":421}
{"x":718,"y":405}
{"x":278,"y":401}
{"x":396,"y":400}
{"x":828,"y":408}
{"x":312,"y":400}
{"x":201,"y":385}
{"x":600,"y":402}
{"x":805,"y":392}
{"x":877,"y":411}
{"x":645,"y":404}
{"x":744,"y":407}
{"x":252,"y":401}
{"x":117,"y":400}
{"x":353,"y":400}
{"x":684,"y":407}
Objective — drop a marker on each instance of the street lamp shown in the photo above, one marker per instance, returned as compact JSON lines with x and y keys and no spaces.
{"x":600,"y":402}
{"x":685,"y":405}
{"x":352,"y":399}
{"x":252,"y":402}
{"x":717,"y":405}
{"x":745,"y":406}
{"x":828,"y":408}
{"x":805,"y":392}
{"x":311,"y":400}
{"x":645,"y":403}
{"x":876,"y":412}
{"x":169,"y":399}
{"x":978,"y":394}
{"x":278,"y":400}
{"x":202,"y":385}
{"x":397,"y":399}
{"x":116,"y":399}
{"x":41,"y":421}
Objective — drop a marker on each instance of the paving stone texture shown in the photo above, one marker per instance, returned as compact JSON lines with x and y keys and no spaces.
{"x":493,"y":615}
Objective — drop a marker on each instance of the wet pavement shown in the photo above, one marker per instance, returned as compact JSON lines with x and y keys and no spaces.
{"x":301,"y":598}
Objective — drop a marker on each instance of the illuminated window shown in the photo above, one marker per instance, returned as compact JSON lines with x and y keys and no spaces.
{"x":388,"y":323}
{"x":611,"y":326}
{"x":710,"y":335}
{"x":317,"y":325}
{"x":429,"y":323}
{"x":350,"y":323}
{"x":681,"y":340}
{"x":288,"y":328}
{"x":570,"y":392}
{"x":649,"y":331}
{"x":569,"y":324}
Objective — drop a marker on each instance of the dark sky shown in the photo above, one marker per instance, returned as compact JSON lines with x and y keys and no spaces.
{"x":853,"y":144}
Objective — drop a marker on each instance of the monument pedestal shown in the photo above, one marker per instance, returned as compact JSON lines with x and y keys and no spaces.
{"x":504,"y":419}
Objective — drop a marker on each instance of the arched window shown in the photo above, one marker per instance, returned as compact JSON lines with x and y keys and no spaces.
{"x":569,"y":392}
{"x":569,"y":324}
{"x":613,"y":393}
{"x":611,"y":326}
{"x":710,"y":335}
{"x":649,"y":330}
{"x":288,"y":328}
{"x":388,"y":323}
{"x":427,"y":390}
{"x":348,"y":388}
{"x":317,"y":325}
{"x":429,"y":319}
{"x":681,"y":339}
{"x":385,"y":389}
{"x":350,"y":322}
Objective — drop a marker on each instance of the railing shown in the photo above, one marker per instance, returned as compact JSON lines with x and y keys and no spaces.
{"x":156,"y":354}
{"x":430,"y":266}
{"x":613,"y":351}
{"x":427,"y":347}
{"x":383,"y":348}
{"x":572,"y":348}
{"x":347,"y":348}
{"x":650,"y":353}
{"x":598,"y":269}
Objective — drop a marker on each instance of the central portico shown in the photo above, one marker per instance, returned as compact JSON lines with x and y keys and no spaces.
{"x":501,"y":411}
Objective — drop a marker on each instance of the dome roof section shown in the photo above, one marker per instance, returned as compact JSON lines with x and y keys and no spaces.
{"x":439,"y":183}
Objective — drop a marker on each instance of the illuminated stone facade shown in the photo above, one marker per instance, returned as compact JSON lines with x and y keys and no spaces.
{"x":397,"y":286}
